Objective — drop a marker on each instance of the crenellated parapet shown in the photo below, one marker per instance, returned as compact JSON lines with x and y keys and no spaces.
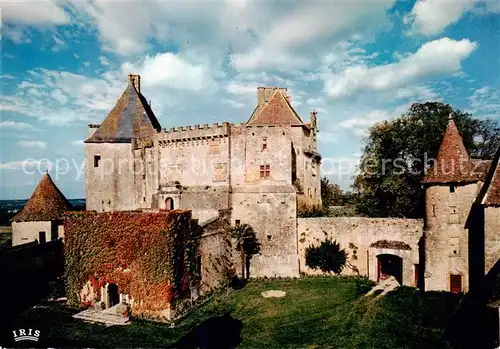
{"x":196,"y":132}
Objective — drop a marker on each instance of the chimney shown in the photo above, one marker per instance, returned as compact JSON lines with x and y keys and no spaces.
{"x":261,"y":97}
{"x":93,"y":128}
{"x":136,"y":81}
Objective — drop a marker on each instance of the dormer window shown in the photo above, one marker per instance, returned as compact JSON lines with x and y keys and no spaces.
{"x":264,"y":143}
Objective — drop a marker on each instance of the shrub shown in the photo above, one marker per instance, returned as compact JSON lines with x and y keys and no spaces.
{"x":327,"y":257}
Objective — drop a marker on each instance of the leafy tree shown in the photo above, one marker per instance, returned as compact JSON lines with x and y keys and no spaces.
{"x":327,"y":257}
{"x":331,"y":194}
{"x":394,"y":158}
{"x":247,"y":245}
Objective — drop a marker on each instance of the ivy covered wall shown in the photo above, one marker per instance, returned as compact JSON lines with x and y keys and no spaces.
{"x":150,"y":256}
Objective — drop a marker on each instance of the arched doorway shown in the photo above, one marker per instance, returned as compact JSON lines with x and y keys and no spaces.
{"x":113,"y":295}
{"x":389,"y":265}
{"x":169,"y":204}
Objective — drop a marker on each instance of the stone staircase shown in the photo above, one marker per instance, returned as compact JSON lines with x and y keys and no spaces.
{"x":109,"y":317}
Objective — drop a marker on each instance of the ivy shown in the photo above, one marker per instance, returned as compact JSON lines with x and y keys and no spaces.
{"x":148,"y":255}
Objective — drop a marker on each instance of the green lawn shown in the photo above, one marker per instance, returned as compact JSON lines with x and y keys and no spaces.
{"x":315,"y":313}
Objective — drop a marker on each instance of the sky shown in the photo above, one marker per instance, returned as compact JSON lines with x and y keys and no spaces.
{"x":65,"y":63}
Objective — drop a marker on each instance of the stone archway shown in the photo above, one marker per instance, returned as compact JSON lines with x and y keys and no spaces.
{"x":169,"y":203}
{"x":389,"y":265}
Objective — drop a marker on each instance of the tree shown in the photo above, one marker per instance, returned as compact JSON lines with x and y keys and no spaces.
{"x":331,"y":194}
{"x":247,"y":245}
{"x":327,"y":257}
{"x":393,"y":160}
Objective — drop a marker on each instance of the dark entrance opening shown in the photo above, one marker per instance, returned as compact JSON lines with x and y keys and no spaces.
{"x":113,"y":296}
{"x":169,"y":203}
{"x":455,"y":283}
{"x":390,"y":265}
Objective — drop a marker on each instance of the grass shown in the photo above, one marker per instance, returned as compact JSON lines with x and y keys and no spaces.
{"x":320,"y":312}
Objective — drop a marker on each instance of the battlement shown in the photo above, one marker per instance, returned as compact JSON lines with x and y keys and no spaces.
{"x":183,"y":133}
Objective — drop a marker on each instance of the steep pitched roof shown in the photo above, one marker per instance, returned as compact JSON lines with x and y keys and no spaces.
{"x":47,"y":203}
{"x":131,"y":117}
{"x":490,"y":193}
{"x":453,"y":164}
{"x":277,"y":111}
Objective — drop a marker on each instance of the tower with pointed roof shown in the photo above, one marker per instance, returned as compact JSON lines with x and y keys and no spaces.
{"x":112,"y":179}
{"x":41,"y":217}
{"x":451,"y":184}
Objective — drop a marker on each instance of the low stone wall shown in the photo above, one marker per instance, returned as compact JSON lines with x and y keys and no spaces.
{"x":359,"y":237}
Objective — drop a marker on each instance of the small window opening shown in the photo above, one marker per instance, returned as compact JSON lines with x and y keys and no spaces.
{"x":264,"y":143}
{"x":433,"y":210}
{"x":41,"y":237}
{"x":97,"y":160}
{"x":265,"y":171}
{"x":452,"y":188}
{"x":237,"y":222}
{"x":269,"y":237}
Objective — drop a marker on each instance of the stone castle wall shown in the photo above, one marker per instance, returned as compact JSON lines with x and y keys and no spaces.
{"x":357,"y":234}
{"x":492,"y":236}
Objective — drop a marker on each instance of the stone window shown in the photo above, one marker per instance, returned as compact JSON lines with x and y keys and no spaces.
{"x":452,"y":188}
{"x":97,"y":160}
{"x":264,"y":143}
{"x":454,"y":216}
{"x":220,"y":172}
{"x":454,"y":246}
{"x":214,"y":147}
{"x":265,"y":171}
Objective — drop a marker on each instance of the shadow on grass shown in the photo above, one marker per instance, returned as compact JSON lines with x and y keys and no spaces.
{"x":221,"y":332}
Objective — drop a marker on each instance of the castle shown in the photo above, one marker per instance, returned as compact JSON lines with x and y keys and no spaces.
{"x":261,"y":171}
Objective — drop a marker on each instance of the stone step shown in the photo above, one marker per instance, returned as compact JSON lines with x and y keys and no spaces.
{"x":109,"y":319}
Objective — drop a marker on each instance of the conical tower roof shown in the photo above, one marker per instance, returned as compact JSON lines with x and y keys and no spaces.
{"x":47,"y":203}
{"x":131,"y":117}
{"x":453,"y":164}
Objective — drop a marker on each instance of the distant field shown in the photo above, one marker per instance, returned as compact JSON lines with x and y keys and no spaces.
{"x":5,"y":233}
{"x":323,"y":312}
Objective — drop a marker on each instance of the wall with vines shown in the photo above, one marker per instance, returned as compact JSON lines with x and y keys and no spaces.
{"x":150,"y":256}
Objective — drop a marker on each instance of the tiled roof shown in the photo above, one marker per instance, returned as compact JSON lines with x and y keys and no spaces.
{"x":277,"y":111}
{"x":453,"y":164}
{"x":47,"y":203}
{"x":492,"y":183}
{"x":395,"y":245}
{"x":131,"y":117}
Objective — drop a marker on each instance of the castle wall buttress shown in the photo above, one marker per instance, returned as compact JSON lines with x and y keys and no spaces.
{"x":446,"y":239}
{"x":109,"y":177}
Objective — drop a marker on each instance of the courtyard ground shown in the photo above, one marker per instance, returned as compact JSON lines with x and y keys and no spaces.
{"x":320,"y":312}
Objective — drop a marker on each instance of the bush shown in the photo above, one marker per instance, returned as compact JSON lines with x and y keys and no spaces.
{"x":327,"y":257}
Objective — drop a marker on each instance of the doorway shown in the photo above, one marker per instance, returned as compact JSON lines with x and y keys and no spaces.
{"x":389,"y":265}
{"x":169,"y":204}
{"x":113,"y":295}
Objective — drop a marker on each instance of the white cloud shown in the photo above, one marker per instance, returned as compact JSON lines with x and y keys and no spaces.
{"x":173,"y":71}
{"x":14,"y":125}
{"x":434,"y":58}
{"x":103,"y":60}
{"x":24,"y":164}
{"x":282,"y":46}
{"x":32,"y":144}
{"x":431,"y":17}
{"x":485,"y":102}
{"x":34,"y":13}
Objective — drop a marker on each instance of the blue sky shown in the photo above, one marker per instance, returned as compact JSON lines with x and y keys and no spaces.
{"x":65,"y":63}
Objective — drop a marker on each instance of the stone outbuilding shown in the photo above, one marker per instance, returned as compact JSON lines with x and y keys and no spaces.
{"x":41,"y":217}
